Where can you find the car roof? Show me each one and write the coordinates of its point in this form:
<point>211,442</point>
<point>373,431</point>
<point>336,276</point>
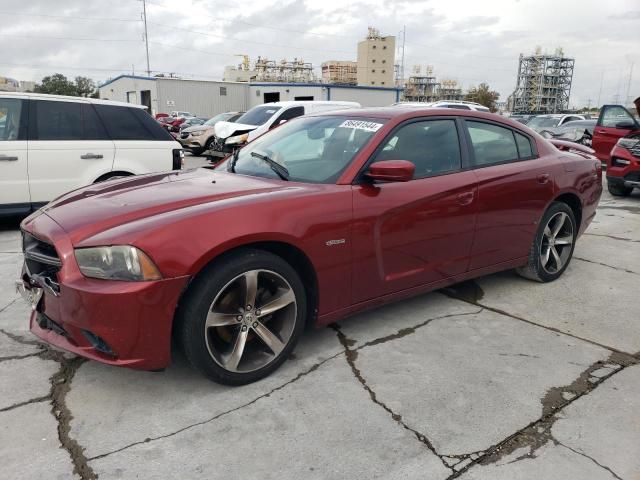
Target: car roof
<point>288,103</point>
<point>46,96</point>
<point>406,112</point>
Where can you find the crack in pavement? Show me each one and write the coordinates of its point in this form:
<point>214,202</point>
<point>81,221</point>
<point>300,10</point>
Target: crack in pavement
<point>19,357</point>
<point>27,402</point>
<point>311,369</point>
<point>592,459</point>
<point>620,269</point>
<point>613,237</point>
<point>60,386</point>
<point>538,433</point>
<point>351,355</point>
<point>453,292</point>
<point>403,332</point>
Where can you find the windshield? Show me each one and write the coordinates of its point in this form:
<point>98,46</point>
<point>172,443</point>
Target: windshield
<point>218,118</point>
<point>258,115</point>
<point>542,122</point>
<point>312,150</point>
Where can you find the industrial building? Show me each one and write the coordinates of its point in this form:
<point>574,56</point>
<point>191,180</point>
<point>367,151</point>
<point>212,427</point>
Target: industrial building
<point>543,84</point>
<point>343,72</point>
<point>376,59</point>
<point>426,88</point>
<point>207,98</point>
<point>11,85</point>
<point>265,70</point>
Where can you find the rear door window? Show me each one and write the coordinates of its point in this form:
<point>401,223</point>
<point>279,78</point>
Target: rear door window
<point>52,120</point>
<point>491,144</point>
<point>92,127</point>
<point>124,123</point>
<point>524,146</point>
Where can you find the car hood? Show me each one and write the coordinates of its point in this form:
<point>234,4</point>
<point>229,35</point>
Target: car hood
<point>196,128</point>
<point>90,210</point>
<point>227,129</point>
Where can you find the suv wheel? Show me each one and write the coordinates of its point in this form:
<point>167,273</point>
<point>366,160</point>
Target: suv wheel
<point>242,317</point>
<point>553,244</point>
<point>618,190</point>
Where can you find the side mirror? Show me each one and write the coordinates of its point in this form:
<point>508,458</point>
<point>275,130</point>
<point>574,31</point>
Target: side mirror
<point>391,171</point>
<point>626,125</point>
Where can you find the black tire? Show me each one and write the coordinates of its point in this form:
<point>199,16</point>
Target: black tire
<point>618,190</point>
<point>210,285</point>
<point>537,268</point>
<point>209,144</point>
<point>196,151</point>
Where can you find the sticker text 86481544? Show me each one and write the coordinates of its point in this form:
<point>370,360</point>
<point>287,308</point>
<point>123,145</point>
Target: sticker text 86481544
<point>361,125</point>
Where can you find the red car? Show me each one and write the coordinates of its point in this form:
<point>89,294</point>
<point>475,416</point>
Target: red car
<point>616,140</point>
<point>325,216</point>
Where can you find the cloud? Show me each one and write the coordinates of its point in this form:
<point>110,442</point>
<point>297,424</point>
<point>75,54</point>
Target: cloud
<point>467,40</point>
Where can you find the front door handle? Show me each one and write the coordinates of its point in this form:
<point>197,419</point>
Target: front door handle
<point>465,198</point>
<point>543,178</point>
<point>6,158</point>
<point>90,156</point>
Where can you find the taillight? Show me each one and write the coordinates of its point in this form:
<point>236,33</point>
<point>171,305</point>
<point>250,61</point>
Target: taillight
<point>178,159</point>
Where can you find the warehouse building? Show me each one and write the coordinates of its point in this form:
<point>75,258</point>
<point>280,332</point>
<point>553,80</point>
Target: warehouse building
<point>207,98</point>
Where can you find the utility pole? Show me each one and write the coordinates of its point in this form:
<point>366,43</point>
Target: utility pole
<point>600,91</point>
<point>146,34</point>
<point>404,39</point>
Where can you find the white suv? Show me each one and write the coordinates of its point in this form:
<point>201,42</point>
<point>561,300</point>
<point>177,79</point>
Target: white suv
<point>262,118</point>
<point>51,144</point>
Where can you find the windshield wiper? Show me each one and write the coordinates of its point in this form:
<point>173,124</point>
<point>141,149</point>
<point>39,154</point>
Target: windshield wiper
<point>231,167</point>
<point>281,170</point>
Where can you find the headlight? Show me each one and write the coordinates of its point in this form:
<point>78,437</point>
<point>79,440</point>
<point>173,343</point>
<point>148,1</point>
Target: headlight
<point>196,134</point>
<point>122,262</point>
<point>238,139</point>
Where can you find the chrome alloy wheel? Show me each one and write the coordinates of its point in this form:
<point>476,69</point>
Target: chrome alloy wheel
<point>557,242</point>
<point>250,321</point>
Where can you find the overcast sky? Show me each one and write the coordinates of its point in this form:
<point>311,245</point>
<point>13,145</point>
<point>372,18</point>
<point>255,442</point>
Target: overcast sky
<point>468,40</point>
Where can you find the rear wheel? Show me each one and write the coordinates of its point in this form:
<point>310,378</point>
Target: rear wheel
<point>242,317</point>
<point>553,244</point>
<point>618,190</point>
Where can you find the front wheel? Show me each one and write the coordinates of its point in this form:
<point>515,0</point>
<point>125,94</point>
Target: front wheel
<point>553,244</point>
<point>242,317</point>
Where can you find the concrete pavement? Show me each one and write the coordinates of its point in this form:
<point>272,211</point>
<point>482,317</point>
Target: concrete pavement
<point>501,378</point>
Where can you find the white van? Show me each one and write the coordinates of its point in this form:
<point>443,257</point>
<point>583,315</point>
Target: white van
<point>51,144</point>
<point>263,118</point>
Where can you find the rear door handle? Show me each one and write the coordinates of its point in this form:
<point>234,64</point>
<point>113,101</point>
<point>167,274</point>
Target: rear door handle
<point>465,198</point>
<point>543,178</point>
<point>90,156</point>
<point>6,158</point>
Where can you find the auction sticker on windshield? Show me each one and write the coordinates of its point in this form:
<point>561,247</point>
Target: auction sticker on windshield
<point>361,125</point>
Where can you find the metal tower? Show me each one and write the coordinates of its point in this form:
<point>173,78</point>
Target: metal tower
<point>543,84</point>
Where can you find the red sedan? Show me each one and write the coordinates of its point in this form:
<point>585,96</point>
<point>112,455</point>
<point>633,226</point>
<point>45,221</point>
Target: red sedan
<point>320,218</point>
